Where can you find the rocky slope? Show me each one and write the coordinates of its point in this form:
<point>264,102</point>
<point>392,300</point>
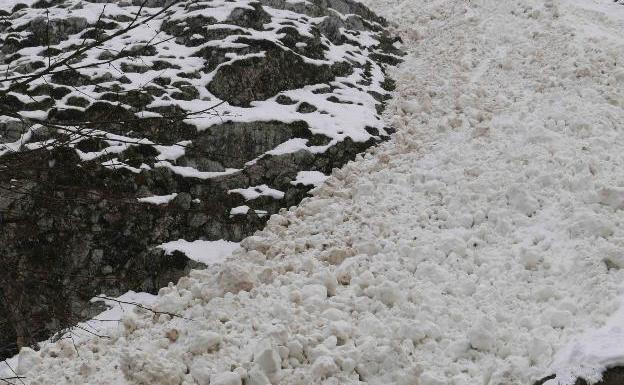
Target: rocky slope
<point>196,124</point>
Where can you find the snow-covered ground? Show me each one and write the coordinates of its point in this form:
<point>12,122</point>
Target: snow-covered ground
<point>482,245</point>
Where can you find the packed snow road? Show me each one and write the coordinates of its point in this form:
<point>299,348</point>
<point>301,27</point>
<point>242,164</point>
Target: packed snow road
<point>482,245</point>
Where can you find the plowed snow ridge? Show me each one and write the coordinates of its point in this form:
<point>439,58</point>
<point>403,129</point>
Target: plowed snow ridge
<point>483,239</point>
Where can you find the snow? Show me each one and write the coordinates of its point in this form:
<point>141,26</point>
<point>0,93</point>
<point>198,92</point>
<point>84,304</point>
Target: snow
<point>191,172</point>
<point>313,178</point>
<point>255,192</point>
<point>239,210</point>
<point>115,164</point>
<point>479,246</point>
<point>117,308</point>
<point>158,199</point>
<point>206,252</point>
<point>172,152</point>
<point>101,325</point>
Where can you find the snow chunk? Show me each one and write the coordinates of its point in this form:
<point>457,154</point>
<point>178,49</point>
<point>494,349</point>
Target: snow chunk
<point>257,377</point>
<point>559,318</point>
<point>203,342</point>
<point>27,360</point>
<point>146,368</point>
<point>481,336</point>
<point>267,359</point>
<point>324,367</point>
<point>588,224</point>
<point>428,378</point>
<point>226,378</point>
<point>521,200</point>
<point>309,178</point>
<point>158,199</point>
<point>613,197</point>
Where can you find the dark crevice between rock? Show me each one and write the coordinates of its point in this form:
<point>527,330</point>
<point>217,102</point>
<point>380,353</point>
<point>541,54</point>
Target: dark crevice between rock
<point>611,376</point>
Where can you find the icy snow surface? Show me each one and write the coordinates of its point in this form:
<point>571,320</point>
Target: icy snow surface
<point>482,245</point>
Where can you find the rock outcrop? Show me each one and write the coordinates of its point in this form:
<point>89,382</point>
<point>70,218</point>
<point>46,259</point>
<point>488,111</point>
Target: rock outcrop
<point>206,98</point>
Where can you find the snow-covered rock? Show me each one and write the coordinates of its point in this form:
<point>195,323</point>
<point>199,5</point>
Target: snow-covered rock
<point>197,124</point>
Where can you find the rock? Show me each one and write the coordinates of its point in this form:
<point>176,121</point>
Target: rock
<point>172,335</point>
<point>12,130</point>
<point>521,199</point>
<point>255,78</point>
<point>559,318</point>
<point>56,30</point>
<point>183,201</point>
